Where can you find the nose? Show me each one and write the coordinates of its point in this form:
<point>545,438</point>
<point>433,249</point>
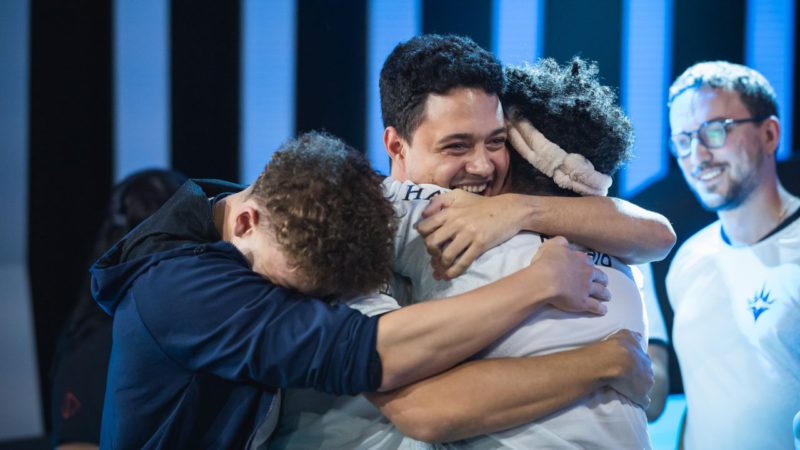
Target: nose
<point>480,164</point>
<point>699,152</point>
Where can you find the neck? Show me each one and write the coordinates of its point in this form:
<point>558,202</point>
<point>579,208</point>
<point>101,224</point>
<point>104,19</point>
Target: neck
<point>222,216</point>
<point>761,213</point>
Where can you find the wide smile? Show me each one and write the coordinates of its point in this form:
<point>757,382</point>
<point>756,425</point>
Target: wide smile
<point>472,188</point>
<point>709,174</point>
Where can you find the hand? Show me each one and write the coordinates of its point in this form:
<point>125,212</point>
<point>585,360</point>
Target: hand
<point>576,284</point>
<point>632,372</point>
<point>458,227</point>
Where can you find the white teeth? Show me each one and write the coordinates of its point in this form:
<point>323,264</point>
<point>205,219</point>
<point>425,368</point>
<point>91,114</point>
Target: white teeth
<point>709,174</point>
<point>474,189</point>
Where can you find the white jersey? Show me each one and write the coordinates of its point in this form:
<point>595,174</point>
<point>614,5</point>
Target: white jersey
<point>605,419</point>
<point>656,327</point>
<point>737,336</point>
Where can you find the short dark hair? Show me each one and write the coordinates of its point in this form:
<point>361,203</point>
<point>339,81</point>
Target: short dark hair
<point>327,210</point>
<point>570,107</point>
<point>432,63</point>
<point>754,89</point>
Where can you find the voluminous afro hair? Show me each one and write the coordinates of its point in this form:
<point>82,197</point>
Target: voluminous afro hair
<point>327,210</point>
<point>753,88</point>
<point>428,64</point>
<point>572,109</point>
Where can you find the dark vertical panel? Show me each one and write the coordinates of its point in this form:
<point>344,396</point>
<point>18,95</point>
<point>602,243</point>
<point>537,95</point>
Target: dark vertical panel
<point>471,18</point>
<point>591,30</point>
<point>796,92</point>
<point>70,156</point>
<point>707,30</point>
<point>205,36</point>
<point>331,68</point>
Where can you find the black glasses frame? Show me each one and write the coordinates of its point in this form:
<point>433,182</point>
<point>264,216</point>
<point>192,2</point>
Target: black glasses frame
<point>683,153</point>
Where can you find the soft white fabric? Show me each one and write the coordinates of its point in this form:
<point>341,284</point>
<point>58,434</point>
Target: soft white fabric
<point>603,420</point>
<point>737,336</point>
<point>568,170</point>
<point>656,326</point>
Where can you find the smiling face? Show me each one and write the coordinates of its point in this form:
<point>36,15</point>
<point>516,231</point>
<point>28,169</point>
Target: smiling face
<point>460,144</point>
<point>721,178</point>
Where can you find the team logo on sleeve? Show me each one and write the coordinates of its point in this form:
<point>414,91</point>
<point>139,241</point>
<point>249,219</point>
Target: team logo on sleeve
<point>760,302</point>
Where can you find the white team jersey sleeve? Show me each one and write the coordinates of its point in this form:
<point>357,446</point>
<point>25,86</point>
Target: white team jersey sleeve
<point>643,274</point>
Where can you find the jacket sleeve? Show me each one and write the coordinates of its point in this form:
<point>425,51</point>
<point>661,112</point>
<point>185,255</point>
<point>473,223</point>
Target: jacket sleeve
<point>212,314</point>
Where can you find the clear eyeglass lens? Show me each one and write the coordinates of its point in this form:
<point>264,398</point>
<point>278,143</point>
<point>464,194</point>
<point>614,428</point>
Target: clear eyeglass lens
<point>713,135</point>
<point>682,143</point>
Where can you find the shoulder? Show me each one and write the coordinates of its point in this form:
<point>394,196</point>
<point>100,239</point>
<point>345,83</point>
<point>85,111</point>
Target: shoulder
<point>211,280</point>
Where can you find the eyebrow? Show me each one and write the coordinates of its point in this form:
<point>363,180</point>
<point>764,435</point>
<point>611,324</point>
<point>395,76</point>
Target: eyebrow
<point>469,136</point>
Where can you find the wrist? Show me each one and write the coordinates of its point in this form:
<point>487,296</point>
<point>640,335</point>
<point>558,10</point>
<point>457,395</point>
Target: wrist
<point>610,366</point>
<point>528,209</point>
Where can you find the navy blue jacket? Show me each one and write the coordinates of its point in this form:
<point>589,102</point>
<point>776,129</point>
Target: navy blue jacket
<point>200,342</point>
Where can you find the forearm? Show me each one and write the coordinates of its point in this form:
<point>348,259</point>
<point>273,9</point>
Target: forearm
<point>486,396</point>
<point>420,340</point>
<point>605,224</point>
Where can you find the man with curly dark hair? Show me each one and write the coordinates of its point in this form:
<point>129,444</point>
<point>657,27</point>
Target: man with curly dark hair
<point>444,126</point>
<point>204,333</point>
<point>600,132</point>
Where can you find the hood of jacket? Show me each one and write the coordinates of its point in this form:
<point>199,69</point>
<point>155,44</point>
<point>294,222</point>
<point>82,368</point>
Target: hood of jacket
<point>183,224</point>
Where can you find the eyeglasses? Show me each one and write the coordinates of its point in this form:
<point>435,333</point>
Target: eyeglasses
<point>711,134</point>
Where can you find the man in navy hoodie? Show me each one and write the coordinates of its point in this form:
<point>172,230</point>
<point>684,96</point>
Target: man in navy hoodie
<point>204,334</point>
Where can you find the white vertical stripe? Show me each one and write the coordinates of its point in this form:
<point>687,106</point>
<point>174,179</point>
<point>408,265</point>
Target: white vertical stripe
<point>769,48</point>
<point>20,411</point>
<point>646,57</point>
<point>141,86</point>
<point>518,30</point>
<point>390,22</point>
<point>268,82</point>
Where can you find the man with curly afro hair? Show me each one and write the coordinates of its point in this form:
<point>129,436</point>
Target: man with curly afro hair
<point>206,331</point>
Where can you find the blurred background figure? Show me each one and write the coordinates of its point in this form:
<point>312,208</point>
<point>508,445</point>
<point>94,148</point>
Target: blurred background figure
<point>80,363</point>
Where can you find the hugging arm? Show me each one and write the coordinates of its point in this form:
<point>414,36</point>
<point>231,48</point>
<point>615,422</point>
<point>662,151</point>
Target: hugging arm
<point>460,226</point>
<point>485,396</point>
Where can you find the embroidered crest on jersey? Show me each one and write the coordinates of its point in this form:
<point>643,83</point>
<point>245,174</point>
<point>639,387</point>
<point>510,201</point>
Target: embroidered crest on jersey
<point>760,302</point>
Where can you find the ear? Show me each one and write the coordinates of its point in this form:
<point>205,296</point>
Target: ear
<point>396,149</point>
<point>772,134</point>
<point>246,221</point>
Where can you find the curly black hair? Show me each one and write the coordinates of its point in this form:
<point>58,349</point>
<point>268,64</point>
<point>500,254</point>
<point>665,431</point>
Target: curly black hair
<point>432,63</point>
<point>572,109</point>
<point>328,213</point>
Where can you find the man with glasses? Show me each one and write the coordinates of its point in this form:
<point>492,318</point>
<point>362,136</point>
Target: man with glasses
<point>735,285</point>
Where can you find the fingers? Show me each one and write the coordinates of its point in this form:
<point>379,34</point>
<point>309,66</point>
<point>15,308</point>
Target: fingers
<point>599,292</point>
<point>437,240</point>
<point>558,240</point>
<point>454,249</point>
<point>464,261</point>
<point>431,223</point>
<point>438,203</point>
<point>599,277</point>
<point>595,307</point>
